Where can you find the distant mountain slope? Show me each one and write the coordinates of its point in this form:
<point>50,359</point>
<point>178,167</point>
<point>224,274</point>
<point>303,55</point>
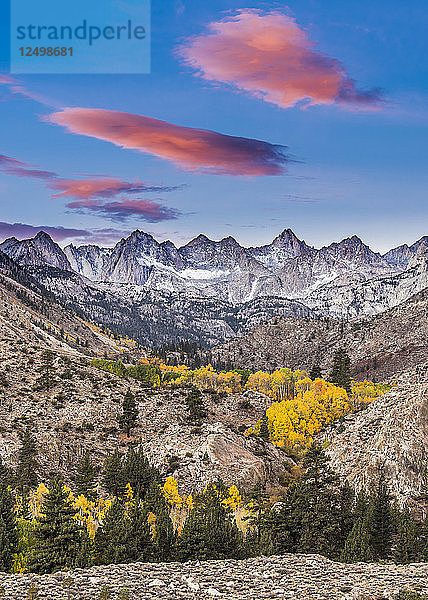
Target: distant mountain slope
<point>153,317</point>
<point>29,313</point>
<point>391,433</point>
<point>379,346</point>
<point>210,291</point>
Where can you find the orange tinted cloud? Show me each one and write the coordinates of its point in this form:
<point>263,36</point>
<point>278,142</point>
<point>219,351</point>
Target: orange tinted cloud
<point>272,58</point>
<point>98,194</point>
<point>100,187</point>
<point>191,149</point>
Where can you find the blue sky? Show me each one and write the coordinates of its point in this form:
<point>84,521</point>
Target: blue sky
<point>350,168</point>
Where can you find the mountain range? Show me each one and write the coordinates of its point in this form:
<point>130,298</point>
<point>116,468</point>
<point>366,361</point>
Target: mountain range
<point>212,290</point>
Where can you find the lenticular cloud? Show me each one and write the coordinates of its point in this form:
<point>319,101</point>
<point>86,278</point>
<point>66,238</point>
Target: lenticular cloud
<point>272,58</point>
<point>197,150</point>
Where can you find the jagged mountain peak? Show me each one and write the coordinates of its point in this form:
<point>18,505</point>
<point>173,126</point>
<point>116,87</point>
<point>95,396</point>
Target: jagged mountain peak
<point>38,251</point>
<point>138,236</point>
<point>9,241</point>
<point>286,235</point>
<point>198,240</point>
<point>43,236</point>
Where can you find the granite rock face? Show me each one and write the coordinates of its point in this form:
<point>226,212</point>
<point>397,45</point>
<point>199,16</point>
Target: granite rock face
<point>392,434</point>
<point>297,577</point>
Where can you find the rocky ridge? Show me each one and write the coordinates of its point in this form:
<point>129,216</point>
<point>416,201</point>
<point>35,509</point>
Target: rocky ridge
<point>294,576</point>
<point>379,347</point>
<point>345,279</point>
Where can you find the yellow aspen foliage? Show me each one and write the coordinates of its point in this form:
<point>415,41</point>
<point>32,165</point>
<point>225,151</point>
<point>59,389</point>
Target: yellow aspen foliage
<point>171,495</point>
<point>234,499</point>
<point>129,495</point>
<point>294,420</point>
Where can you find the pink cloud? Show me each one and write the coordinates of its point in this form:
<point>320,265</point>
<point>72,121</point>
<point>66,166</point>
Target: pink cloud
<point>11,166</point>
<point>270,56</point>
<point>151,211</point>
<point>99,187</point>
<point>91,194</point>
<point>197,150</point>
<point>16,88</point>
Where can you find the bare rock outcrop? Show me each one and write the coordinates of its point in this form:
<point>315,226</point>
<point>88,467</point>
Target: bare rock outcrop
<point>391,433</point>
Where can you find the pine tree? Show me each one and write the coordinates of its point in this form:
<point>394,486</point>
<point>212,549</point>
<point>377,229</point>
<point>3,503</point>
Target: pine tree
<point>113,476</point>
<point>129,416</point>
<point>346,513</point>
<point>425,541</point>
<point>124,535</point>
<point>27,470</point>
<point>195,406</point>
<point>5,474</point>
<point>278,530</point>
<point>109,542</point>
<point>358,544</point>
<point>209,531</point>
<point>164,537</point>
<point>264,428</point>
<point>380,520</point>
<point>58,538</point>
<point>8,529</point>
<point>407,548</point>
<point>341,371</point>
<point>316,372</point>
<point>138,472</point>
<point>85,479</point>
<point>317,505</point>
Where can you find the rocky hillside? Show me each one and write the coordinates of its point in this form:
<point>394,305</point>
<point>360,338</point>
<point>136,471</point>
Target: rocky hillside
<point>379,346</point>
<point>391,433</point>
<point>297,576</point>
<point>80,409</point>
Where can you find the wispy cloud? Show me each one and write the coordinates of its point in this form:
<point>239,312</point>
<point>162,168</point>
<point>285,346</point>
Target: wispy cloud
<point>94,194</point>
<point>299,199</point>
<point>22,231</point>
<point>16,88</point>
<point>99,187</point>
<point>270,56</point>
<point>196,150</point>
<point>60,234</point>
<point>152,211</point>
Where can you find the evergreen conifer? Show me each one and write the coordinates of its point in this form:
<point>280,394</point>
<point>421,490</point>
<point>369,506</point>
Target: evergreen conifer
<point>316,372</point>
<point>85,479</point>
<point>8,528</point>
<point>264,428</point>
<point>113,475</point>
<point>58,538</point>
<point>129,416</point>
<point>27,470</point>
<point>380,520</point>
<point>341,371</point>
<point>209,531</point>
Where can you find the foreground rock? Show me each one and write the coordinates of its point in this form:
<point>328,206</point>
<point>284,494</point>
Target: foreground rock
<point>301,577</point>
